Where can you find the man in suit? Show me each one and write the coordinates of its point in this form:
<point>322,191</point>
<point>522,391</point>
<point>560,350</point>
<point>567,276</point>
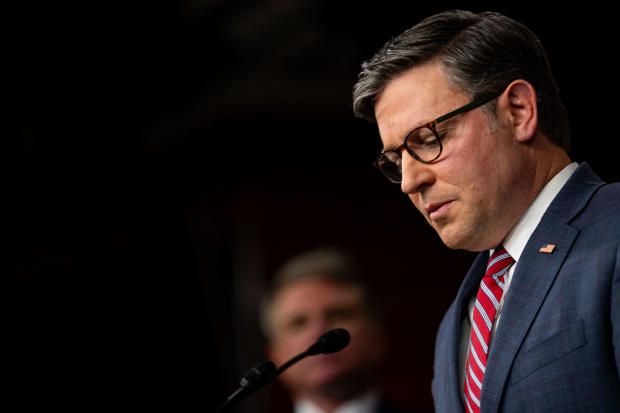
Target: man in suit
<point>475,133</point>
<point>312,293</point>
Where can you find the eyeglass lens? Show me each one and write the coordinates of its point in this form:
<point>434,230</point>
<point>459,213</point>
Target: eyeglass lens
<point>390,165</point>
<point>422,143</point>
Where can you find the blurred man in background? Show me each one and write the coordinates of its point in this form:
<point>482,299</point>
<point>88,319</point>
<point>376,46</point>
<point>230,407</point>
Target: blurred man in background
<point>312,293</point>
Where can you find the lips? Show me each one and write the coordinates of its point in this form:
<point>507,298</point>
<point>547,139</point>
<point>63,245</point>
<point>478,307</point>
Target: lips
<point>435,210</point>
<point>435,206</point>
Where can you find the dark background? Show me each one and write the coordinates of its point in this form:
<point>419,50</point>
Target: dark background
<point>161,159</point>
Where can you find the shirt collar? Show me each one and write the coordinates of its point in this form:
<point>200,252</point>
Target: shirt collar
<point>519,235</point>
<point>364,404</point>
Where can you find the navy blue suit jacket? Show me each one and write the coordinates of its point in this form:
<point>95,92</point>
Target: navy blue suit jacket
<point>557,348</point>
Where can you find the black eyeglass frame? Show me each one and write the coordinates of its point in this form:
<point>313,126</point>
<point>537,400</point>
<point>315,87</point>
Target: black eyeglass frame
<point>432,125</point>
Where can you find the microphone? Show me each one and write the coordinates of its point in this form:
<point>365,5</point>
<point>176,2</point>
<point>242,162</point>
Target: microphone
<point>330,342</point>
<point>265,371</point>
<point>254,379</point>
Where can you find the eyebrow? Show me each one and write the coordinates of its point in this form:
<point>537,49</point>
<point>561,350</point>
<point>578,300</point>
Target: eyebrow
<point>384,149</point>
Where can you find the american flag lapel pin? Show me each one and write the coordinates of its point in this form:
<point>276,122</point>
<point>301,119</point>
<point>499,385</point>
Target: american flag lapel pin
<point>547,248</point>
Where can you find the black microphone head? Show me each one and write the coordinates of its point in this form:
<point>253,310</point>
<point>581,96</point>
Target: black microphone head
<point>330,342</point>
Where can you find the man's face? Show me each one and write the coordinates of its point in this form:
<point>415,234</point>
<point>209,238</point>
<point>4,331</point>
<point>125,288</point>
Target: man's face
<point>470,195</point>
<point>303,311</point>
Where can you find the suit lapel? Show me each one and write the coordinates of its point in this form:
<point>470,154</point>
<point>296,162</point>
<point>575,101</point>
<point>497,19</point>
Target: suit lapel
<point>533,277</point>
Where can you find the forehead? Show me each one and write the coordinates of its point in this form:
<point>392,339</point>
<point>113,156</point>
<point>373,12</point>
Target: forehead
<point>312,294</point>
<point>417,96</point>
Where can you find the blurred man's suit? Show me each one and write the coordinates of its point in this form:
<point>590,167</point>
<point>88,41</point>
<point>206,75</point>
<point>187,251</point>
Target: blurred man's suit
<point>559,334</point>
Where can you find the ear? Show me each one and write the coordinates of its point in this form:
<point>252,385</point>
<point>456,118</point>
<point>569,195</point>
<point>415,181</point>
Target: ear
<point>523,109</point>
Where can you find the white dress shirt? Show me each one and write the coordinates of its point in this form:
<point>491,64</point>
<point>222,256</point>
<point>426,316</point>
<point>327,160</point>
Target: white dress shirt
<point>365,404</point>
<point>514,243</point>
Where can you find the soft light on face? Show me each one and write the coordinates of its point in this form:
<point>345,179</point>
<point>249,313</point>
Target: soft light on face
<point>306,309</point>
<point>469,194</point>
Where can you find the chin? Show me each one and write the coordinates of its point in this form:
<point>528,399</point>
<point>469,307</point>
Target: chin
<point>458,241</point>
<point>449,239</point>
<point>326,376</point>
<point>329,374</point>
<point>337,387</point>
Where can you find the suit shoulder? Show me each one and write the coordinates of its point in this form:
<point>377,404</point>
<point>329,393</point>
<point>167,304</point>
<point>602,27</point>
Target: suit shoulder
<point>602,207</point>
<point>611,191</point>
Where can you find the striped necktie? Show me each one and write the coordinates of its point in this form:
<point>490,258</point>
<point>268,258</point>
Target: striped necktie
<point>487,301</point>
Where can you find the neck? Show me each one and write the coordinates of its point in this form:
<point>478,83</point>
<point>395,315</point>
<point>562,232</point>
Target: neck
<point>331,397</point>
<point>549,166</point>
<point>541,161</point>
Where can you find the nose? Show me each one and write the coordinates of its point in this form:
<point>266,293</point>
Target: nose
<point>317,329</point>
<point>415,175</point>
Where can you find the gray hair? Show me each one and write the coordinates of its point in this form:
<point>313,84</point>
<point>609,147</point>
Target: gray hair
<point>481,53</point>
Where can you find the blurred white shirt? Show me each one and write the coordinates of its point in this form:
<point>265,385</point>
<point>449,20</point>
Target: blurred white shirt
<point>366,404</point>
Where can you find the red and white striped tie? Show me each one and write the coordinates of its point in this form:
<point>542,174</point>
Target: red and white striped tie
<point>487,301</point>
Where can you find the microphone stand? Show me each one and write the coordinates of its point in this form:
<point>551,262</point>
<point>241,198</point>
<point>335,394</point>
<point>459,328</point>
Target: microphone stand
<point>255,378</point>
<point>265,371</point>
<point>254,383</point>
<point>290,363</point>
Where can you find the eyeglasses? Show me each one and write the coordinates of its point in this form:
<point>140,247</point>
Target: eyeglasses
<point>423,143</point>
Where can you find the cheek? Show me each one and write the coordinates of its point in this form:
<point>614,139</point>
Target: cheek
<point>363,331</point>
<point>415,199</point>
<point>287,348</point>
<point>473,170</point>
<point>476,182</point>
<point>279,353</point>
<point>366,348</point>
